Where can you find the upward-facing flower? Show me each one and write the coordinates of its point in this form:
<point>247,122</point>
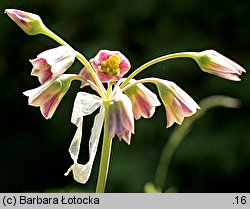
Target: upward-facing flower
<point>52,63</point>
<point>49,95</point>
<point>215,63</point>
<point>28,22</point>
<point>110,65</point>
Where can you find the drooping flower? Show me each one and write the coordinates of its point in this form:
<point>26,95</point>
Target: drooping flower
<point>110,65</point>
<point>178,104</point>
<point>215,63</point>
<point>52,63</point>
<point>30,23</point>
<point>120,118</point>
<point>143,100</point>
<point>49,95</point>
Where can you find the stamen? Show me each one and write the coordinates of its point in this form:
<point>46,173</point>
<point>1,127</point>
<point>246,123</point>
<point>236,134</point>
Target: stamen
<point>111,66</point>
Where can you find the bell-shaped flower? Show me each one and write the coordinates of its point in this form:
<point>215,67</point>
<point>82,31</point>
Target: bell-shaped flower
<point>110,65</point>
<point>178,104</point>
<point>143,100</point>
<point>120,117</point>
<point>215,63</point>
<point>28,22</point>
<point>52,63</point>
<point>49,95</point>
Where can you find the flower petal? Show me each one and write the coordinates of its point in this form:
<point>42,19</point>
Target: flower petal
<point>215,63</point>
<point>52,63</point>
<point>110,65</point>
<point>30,23</point>
<point>143,100</point>
<point>49,95</point>
<point>120,117</point>
<point>178,103</point>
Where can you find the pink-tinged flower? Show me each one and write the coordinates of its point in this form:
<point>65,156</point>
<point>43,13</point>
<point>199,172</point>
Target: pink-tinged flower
<point>178,104</point>
<point>52,63</point>
<point>85,74</point>
<point>110,65</point>
<point>120,118</point>
<point>143,100</point>
<point>213,62</point>
<point>49,95</point>
<point>28,22</point>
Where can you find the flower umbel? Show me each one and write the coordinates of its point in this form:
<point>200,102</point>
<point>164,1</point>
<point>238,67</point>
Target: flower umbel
<point>122,100</point>
<point>30,23</point>
<point>215,63</point>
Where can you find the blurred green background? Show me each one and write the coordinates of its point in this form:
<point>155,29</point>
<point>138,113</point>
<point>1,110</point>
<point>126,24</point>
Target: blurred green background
<point>214,157</point>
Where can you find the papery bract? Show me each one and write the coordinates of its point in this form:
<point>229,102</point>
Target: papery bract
<point>120,117</point>
<point>30,23</point>
<point>215,63</point>
<point>178,104</point>
<point>49,95</point>
<point>52,63</point>
<point>110,65</point>
<point>85,104</point>
<point>143,100</point>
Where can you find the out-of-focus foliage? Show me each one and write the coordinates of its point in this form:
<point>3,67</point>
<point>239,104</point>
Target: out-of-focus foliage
<point>215,157</point>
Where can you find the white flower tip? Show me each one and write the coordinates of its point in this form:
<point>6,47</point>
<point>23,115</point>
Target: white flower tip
<point>7,11</point>
<point>29,94</point>
<point>26,93</point>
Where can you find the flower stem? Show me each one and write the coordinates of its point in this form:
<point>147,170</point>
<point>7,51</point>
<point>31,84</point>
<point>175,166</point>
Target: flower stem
<point>180,132</point>
<point>55,37</point>
<point>98,83</point>
<point>81,58</point>
<point>157,60</point>
<point>105,156</point>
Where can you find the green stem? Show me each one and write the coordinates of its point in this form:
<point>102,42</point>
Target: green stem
<point>80,78</point>
<point>98,83</point>
<point>81,58</point>
<point>52,35</point>
<point>180,132</point>
<point>157,60</point>
<point>105,156</point>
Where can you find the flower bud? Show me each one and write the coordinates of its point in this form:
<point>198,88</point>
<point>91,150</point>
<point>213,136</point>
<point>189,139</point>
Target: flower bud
<point>178,104</point>
<point>49,95</point>
<point>52,63</point>
<point>110,65</point>
<point>120,117</point>
<point>143,100</point>
<point>214,63</point>
<point>28,22</point>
